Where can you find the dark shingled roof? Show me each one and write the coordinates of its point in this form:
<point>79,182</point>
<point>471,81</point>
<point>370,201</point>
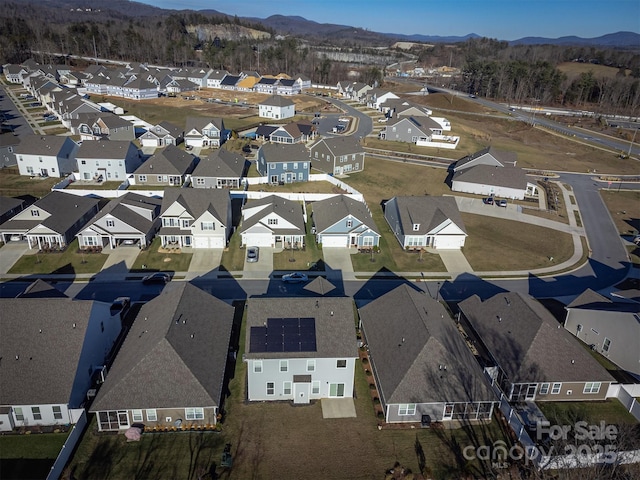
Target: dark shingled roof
<point>331,210</point>
<point>116,149</point>
<point>290,210</point>
<point>41,289</point>
<point>49,145</point>
<point>527,341</point>
<point>487,156</point>
<point>428,212</point>
<point>278,101</point>
<point>121,208</point>
<point>171,160</point>
<point>197,201</point>
<point>334,320</point>
<point>275,152</point>
<point>417,352</point>
<point>222,163</point>
<point>40,333</point>
<point>319,285</point>
<point>507,176</point>
<point>339,146</point>
<point>174,355</point>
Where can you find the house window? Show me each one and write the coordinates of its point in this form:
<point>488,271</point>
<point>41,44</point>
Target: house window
<point>90,241</point>
<point>311,365</point>
<point>416,227</point>
<point>272,221</point>
<point>35,411</point>
<point>160,178</point>
<point>40,158</point>
<point>591,387</point>
<point>136,415</point>
<point>152,415</point>
<point>304,166</point>
<point>336,389</point>
<point>544,389</point>
<point>286,388</point>
<point>271,388</point>
<point>284,365</point>
<point>142,178</point>
<point>367,241</point>
<point>194,413</point>
<point>111,223</point>
<point>295,166</point>
<point>185,223</point>
<point>300,176</point>
<point>257,366</point>
<point>30,170</point>
<point>407,409</point>
<point>606,345</point>
<point>18,413</point>
<point>35,212</point>
<point>349,223</point>
<point>207,226</point>
<point>341,364</point>
<point>57,412</point>
<point>555,389</point>
<point>315,387</point>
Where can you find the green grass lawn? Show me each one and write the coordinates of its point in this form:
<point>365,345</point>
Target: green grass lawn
<point>233,256</point>
<point>29,456</point>
<point>299,259</point>
<point>67,262</point>
<point>610,411</point>
<point>162,262</point>
<point>12,184</point>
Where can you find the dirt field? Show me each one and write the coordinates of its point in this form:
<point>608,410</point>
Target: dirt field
<point>573,70</point>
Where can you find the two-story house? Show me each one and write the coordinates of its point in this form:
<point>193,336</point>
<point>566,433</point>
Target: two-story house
<point>8,144</point>
<point>102,125</point>
<point>171,167</point>
<point>163,134</point>
<point>273,221</point>
<point>277,107</point>
<point>284,163</point>
<point>46,155</point>
<point>107,160</point>
<point>300,349</point>
<point>337,155</point>
<point>410,129</point>
<point>204,132</point>
<point>193,217</point>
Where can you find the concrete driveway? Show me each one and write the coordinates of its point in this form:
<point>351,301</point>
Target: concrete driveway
<point>454,261</point>
<point>262,268</point>
<point>338,263</point>
<point>205,260</point>
<point>10,253</point>
<point>121,259</point>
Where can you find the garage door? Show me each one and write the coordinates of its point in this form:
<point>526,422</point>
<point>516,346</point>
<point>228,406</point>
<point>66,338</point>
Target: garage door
<point>257,239</point>
<point>208,242</point>
<point>334,241</point>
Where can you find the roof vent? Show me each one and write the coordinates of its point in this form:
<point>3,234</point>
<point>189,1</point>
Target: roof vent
<point>17,357</point>
<point>74,325</point>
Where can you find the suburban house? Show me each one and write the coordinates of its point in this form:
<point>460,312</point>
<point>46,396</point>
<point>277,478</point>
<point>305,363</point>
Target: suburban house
<point>423,369</point>
<point>51,222</point>
<point>403,108</point>
<point>527,353</point>
<point>107,160</point>
<point>14,73</point>
<point>8,144</point>
<point>215,77</point>
<point>608,327</point>
<point>419,222</point>
<point>163,134</point>
<point>46,155</point>
<point>353,90</point>
<point>410,129</point>
<point>131,219</point>
<point>204,132</point>
<point>491,172</point>
<point>10,207</point>
<point>342,221</point>
<point>222,169</point>
<point>283,163</point>
<point>229,82</point>
<point>170,167</point>
<point>277,107</point>
<point>273,221</point>
<point>377,96</point>
<point>289,133</point>
<point>53,350</point>
<point>102,126</point>
<point>170,370</point>
<point>266,84</point>
<point>300,349</point>
<point>337,155</point>
<point>193,217</point>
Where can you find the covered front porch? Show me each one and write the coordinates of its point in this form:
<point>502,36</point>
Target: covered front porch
<point>46,242</point>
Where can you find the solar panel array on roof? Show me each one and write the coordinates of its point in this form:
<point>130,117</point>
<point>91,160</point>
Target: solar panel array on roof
<point>284,335</point>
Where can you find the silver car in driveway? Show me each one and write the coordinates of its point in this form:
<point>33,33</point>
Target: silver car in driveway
<point>253,253</point>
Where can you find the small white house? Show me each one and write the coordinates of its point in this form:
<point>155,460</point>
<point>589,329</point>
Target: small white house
<point>46,155</point>
<point>277,107</point>
<point>300,349</point>
<point>108,160</point>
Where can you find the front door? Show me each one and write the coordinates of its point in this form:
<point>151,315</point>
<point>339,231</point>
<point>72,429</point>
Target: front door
<point>301,392</point>
<point>123,419</point>
<point>531,392</point>
<point>44,172</point>
<point>448,411</point>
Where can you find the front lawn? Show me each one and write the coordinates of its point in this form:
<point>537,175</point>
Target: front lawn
<point>233,255</point>
<point>70,261</point>
<point>152,260</point>
<point>29,456</point>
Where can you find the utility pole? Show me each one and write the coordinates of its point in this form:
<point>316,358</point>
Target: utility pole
<point>631,145</point>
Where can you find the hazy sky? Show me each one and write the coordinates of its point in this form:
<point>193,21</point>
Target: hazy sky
<point>502,19</point>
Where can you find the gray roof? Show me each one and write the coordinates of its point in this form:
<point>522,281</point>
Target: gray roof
<point>115,149</point>
<point>278,101</point>
<point>527,341</point>
<point>275,152</point>
<point>423,124</point>
<point>331,210</point>
<point>171,160</point>
<point>198,200</point>
<point>65,210</point>
<point>319,285</point>
<point>222,163</point>
<point>334,320</point>
<point>198,123</point>
<point>428,212</point>
<point>173,129</point>
<point>120,209</point>
<point>9,203</point>
<point>8,139</point>
<point>49,145</point>
<point>41,289</point>
<point>417,352</point>
<point>40,333</point>
<point>488,156</point>
<point>339,146</point>
<point>174,355</point>
<point>507,176</point>
<point>290,210</point>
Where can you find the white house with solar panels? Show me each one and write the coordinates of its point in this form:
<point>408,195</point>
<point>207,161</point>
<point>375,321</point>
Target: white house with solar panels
<point>300,349</point>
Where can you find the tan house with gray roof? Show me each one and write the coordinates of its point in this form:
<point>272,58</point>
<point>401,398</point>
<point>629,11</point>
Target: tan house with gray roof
<point>528,354</point>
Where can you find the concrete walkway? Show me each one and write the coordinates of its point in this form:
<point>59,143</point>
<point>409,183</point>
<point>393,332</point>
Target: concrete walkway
<point>338,408</point>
